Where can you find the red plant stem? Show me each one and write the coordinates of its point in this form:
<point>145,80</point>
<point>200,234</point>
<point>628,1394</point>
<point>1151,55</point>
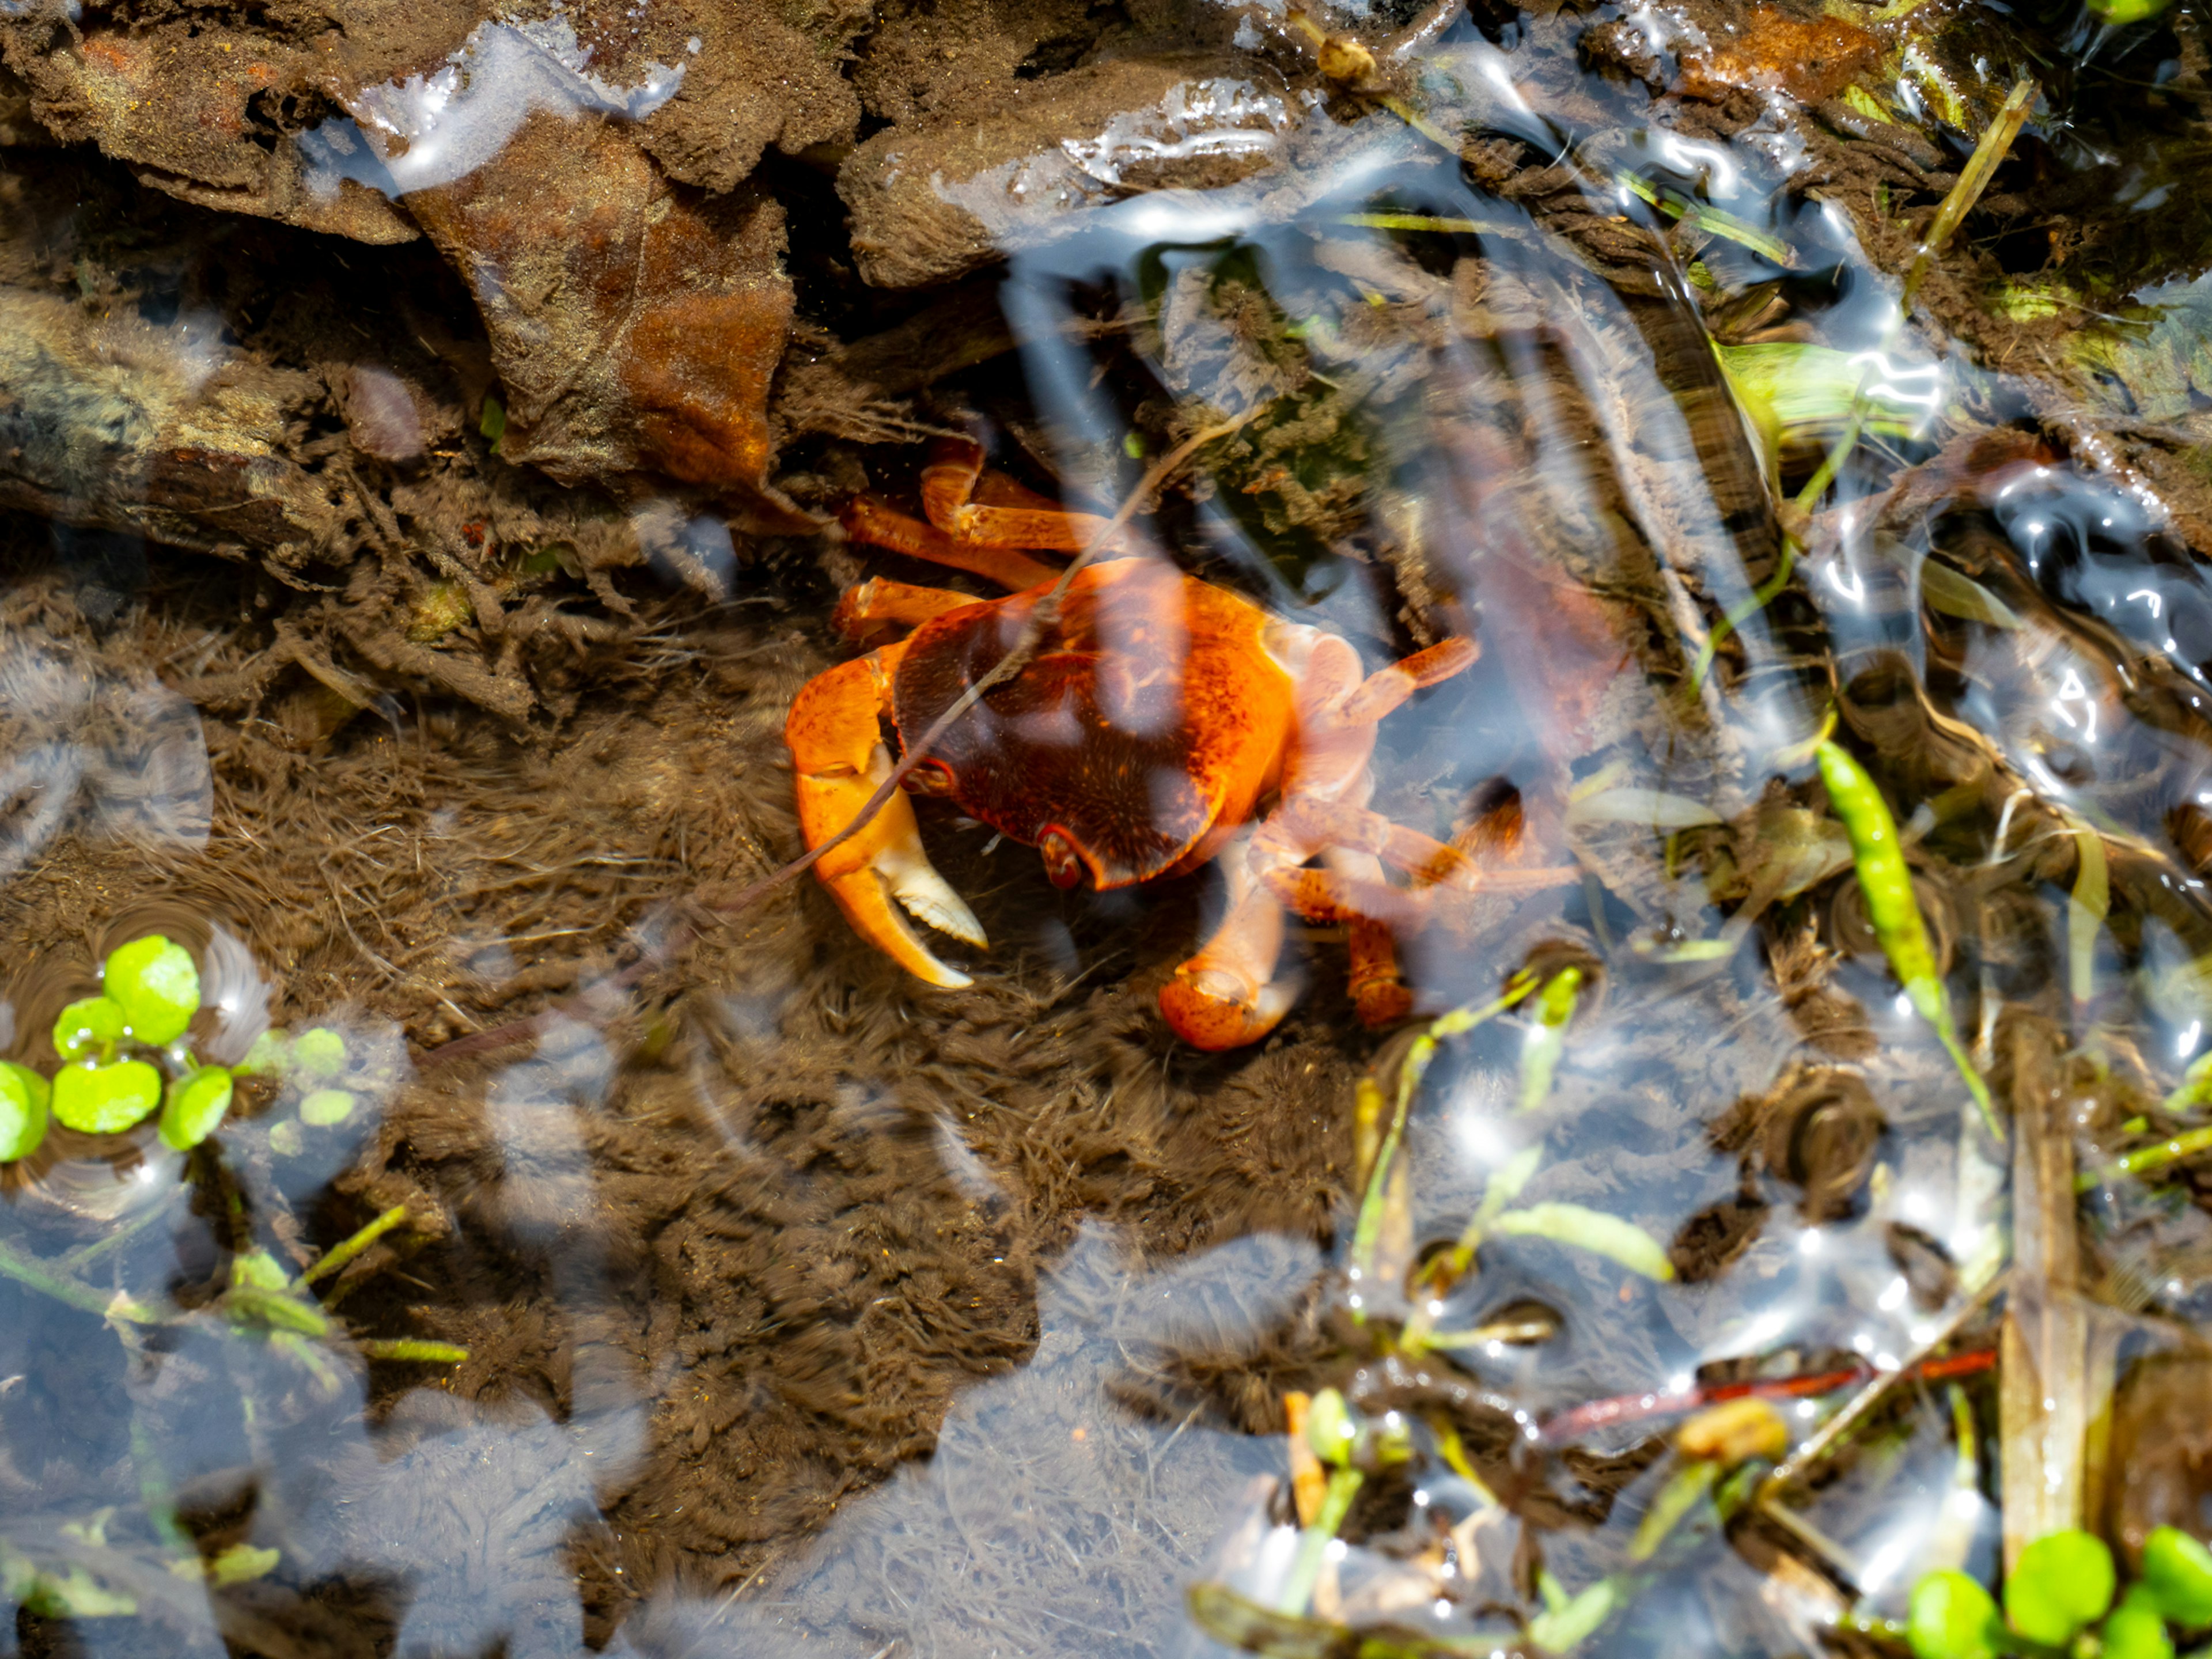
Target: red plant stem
<point>1578,1420</point>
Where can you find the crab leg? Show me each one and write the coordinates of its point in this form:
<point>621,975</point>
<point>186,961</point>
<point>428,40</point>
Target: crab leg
<point>839,759</point>
<point>995,511</point>
<point>1378,989</point>
<point>1337,894</point>
<point>1227,993</point>
<point>880,599</point>
<point>871,522</point>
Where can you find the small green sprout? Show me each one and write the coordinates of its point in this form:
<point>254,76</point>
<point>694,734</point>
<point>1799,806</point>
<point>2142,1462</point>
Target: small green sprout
<point>325,1109</point>
<point>106,1100</point>
<point>196,1106</point>
<point>258,1270</point>
<point>93,1026</point>
<point>1330,1429</point>
<point>1569,1621</point>
<point>2063,1582</point>
<point>317,1053</point>
<point>157,985</point>
<point>24,1099</point>
<point>1546,1038</point>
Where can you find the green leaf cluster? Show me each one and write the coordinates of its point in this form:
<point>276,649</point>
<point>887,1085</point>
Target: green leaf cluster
<point>115,1048</point>
<point>2059,1590</point>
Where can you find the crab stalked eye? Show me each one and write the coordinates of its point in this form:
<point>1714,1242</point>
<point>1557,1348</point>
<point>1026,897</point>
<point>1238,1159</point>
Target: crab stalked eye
<point>932,777</point>
<point>1061,862</point>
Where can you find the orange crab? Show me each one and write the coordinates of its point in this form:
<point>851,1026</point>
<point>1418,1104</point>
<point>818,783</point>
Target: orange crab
<point>1159,716</point>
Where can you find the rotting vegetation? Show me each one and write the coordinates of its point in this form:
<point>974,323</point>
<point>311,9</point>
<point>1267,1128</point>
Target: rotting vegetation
<point>1804,413</point>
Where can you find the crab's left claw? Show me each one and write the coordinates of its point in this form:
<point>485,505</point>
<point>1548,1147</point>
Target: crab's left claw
<point>839,762</point>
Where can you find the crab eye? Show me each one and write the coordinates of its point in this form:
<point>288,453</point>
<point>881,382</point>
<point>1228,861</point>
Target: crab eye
<point>932,777</point>
<point>1061,863</point>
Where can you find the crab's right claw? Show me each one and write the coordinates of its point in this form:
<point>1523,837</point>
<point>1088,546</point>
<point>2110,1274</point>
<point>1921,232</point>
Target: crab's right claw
<point>839,762</point>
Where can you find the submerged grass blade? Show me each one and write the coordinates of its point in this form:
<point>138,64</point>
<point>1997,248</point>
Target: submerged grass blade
<point>1892,909</point>
<point>1313,1545</point>
<point>1368,1230</point>
<point>2186,1145</point>
<point>1973,178</point>
<point>1595,1230</point>
<point>347,1249</point>
<point>1696,216</point>
<point>406,1349</point>
<point>31,1272</point>
<point>1547,1039</point>
<point>2085,910</point>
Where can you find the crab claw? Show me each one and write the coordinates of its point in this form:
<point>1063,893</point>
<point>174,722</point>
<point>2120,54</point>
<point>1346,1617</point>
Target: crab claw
<point>1214,1008</point>
<point>1229,994</point>
<point>840,762</point>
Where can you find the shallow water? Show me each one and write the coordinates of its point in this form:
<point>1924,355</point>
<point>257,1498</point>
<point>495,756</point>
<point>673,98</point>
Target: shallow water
<point>407,629</point>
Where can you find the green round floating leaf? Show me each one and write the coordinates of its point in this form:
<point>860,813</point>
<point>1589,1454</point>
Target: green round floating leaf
<point>326,1108</point>
<point>2177,1571</point>
<point>157,985</point>
<point>2136,1630</point>
<point>24,1096</point>
<point>271,1054</point>
<point>196,1106</point>
<point>284,1138</point>
<point>106,1100</point>
<point>88,1026</point>
<point>1951,1617</point>
<point>2121,12</point>
<point>319,1052</point>
<point>2062,1581</point>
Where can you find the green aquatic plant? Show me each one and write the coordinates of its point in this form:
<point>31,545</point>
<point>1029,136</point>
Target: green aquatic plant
<point>1894,911</point>
<point>156,984</point>
<point>2057,1593</point>
<point>195,1106</point>
<point>106,1100</point>
<point>92,1025</point>
<point>1547,1036</point>
<point>25,1098</point>
<point>151,992</point>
